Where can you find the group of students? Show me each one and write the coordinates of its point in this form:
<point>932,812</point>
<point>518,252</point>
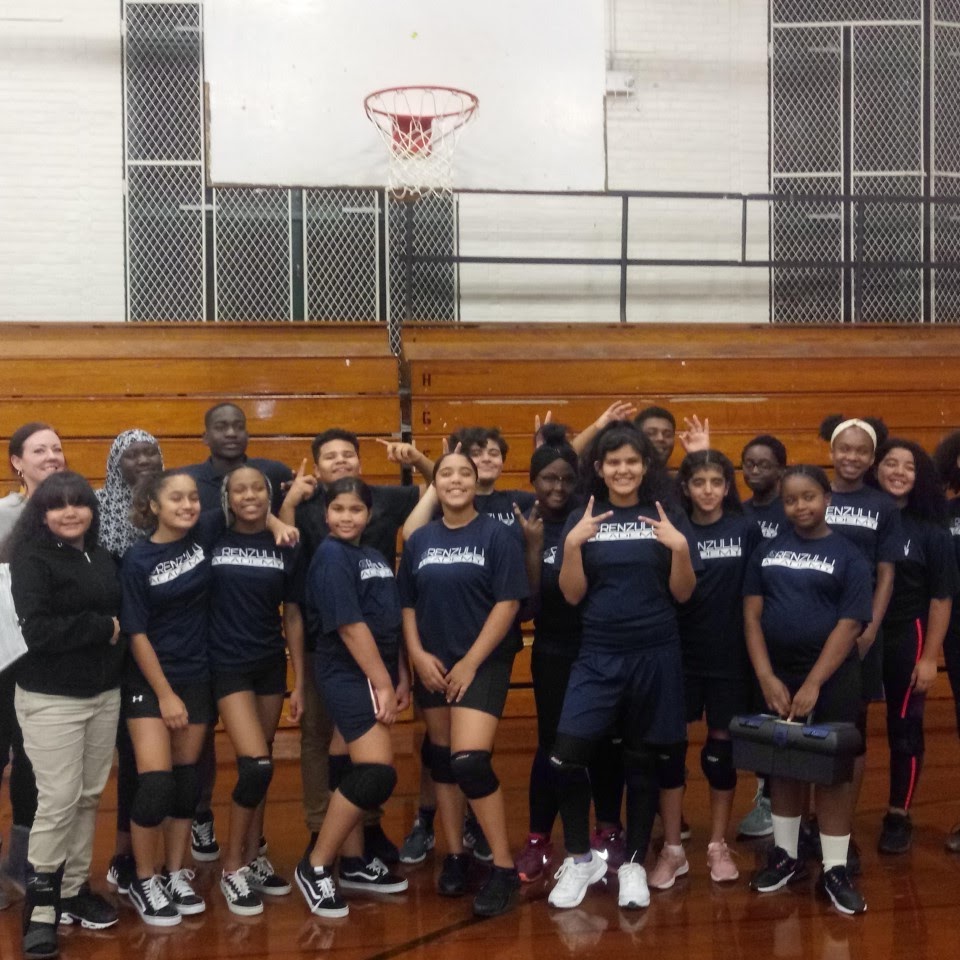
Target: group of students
<point>170,597</point>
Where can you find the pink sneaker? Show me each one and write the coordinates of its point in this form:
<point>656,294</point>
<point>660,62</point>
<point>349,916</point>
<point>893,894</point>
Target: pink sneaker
<point>534,857</point>
<point>672,863</point>
<point>609,845</point>
<point>720,862</point>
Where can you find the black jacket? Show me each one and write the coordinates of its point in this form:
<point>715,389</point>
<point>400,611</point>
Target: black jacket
<point>66,600</point>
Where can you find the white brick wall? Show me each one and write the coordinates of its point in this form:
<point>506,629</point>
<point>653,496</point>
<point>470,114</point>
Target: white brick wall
<point>61,161</point>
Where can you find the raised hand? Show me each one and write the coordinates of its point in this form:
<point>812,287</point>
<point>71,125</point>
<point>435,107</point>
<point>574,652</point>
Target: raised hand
<point>587,526</point>
<point>302,487</point>
<point>696,436</point>
<point>538,426</point>
<point>401,452</point>
<point>618,410</point>
<point>532,526</point>
<point>665,532</point>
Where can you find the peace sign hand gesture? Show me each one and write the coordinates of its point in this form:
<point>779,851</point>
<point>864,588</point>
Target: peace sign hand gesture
<point>665,532</point>
<point>587,526</point>
<point>532,526</point>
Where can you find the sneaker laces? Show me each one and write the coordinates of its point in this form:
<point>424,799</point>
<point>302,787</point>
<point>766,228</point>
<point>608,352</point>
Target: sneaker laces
<point>179,882</point>
<point>567,874</point>
<point>328,889</point>
<point>377,866</point>
<point>155,895</point>
<point>261,868</point>
<point>237,881</point>
<point>203,831</point>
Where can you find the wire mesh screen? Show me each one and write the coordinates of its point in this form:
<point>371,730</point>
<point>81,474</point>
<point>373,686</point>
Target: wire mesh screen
<point>821,11</point>
<point>252,267</point>
<point>164,102</point>
<point>431,221</point>
<point>946,246</point>
<point>948,10</point>
<point>807,90</point>
<point>341,254</point>
<point>807,230</point>
<point>891,231</point>
<point>165,243</point>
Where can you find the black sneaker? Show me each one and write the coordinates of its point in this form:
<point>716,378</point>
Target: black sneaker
<point>264,879</point>
<point>40,941</point>
<point>497,895</point>
<point>152,903</point>
<point>853,859</point>
<point>377,845</point>
<point>319,890</point>
<point>88,909</point>
<point>453,875</point>
<point>835,883</point>
<point>780,870</point>
<point>203,841</point>
<point>372,875</point>
<point>241,900</point>
<point>121,872</point>
<point>179,887</point>
<point>475,840</point>
<point>896,833</point>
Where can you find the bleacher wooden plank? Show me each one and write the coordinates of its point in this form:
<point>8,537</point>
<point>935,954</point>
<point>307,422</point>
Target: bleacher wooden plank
<point>661,376</point>
<point>215,378</point>
<point>165,415</point>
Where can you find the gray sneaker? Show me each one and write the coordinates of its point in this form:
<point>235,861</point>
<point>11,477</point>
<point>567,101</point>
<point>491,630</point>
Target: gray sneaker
<point>417,844</point>
<point>759,821</point>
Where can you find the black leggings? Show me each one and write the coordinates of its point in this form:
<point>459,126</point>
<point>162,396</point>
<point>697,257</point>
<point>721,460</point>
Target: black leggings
<point>951,656</point>
<point>23,784</point>
<point>902,646</point>
<point>551,673</point>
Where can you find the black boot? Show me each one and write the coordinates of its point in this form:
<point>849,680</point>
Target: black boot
<point>40,937</point>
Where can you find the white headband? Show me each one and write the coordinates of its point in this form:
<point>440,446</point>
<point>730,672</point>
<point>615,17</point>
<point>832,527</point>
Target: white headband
<point>855,422</point>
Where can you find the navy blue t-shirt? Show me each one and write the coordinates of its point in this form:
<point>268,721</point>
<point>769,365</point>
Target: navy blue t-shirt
<point>927,570</point>
<point>499,505</point>
<point>870,519</point>
<point>628,603</point>
<point>556,627</point>
<point>210,479</point>
<point>770,518</point>
<point>711,621</point>
<point>166,588</point>
<point>953,508</point>
<point>349,584</point>
<point>250,578</point>
<point>454,577</point>
<point>807,587</point>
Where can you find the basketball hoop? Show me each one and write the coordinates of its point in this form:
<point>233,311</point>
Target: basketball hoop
<point>420,126</point>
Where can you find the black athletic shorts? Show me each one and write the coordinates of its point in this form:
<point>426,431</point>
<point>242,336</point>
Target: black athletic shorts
<point>840,697</point>
<point>487,693</point>
<point>345,692</point>
<point>140,702</point>
<point>720,698</point>
<point>265,678</point>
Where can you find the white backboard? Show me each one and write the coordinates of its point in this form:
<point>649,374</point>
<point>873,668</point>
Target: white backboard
<point>287,80</point>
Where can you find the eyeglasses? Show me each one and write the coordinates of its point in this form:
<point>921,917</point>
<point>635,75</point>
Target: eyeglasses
<point>761,466</point>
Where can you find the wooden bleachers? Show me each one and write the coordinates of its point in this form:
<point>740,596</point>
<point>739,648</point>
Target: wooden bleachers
<point>93,381</point>
<point>746,379</point>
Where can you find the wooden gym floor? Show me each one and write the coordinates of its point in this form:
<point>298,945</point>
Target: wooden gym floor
<point>914,901</point>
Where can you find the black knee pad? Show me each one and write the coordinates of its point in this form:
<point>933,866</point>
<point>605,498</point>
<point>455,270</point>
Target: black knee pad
<point>474,773</point>
<point>253,780</point>
<point>569,752</point>
<point>716,761</point>
<point>338,764</point>
<point>154,799</point>
<point>440,769</point>
<point>367,785</point>
<point>671,764</point>
<point>186,789</point>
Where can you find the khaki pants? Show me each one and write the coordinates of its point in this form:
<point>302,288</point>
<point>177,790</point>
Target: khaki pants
<point>70,742</point>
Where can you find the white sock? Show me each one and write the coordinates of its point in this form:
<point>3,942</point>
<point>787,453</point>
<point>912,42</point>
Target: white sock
<point>675,848</point>
<point>835,851</point>
<point>786,834</point>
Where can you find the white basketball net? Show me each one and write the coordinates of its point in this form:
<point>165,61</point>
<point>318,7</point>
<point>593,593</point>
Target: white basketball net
<point>420,127</point>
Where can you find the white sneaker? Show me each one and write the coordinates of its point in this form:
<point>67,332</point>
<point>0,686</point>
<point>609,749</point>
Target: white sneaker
<point>573,879</point>
<point>634,892</point>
